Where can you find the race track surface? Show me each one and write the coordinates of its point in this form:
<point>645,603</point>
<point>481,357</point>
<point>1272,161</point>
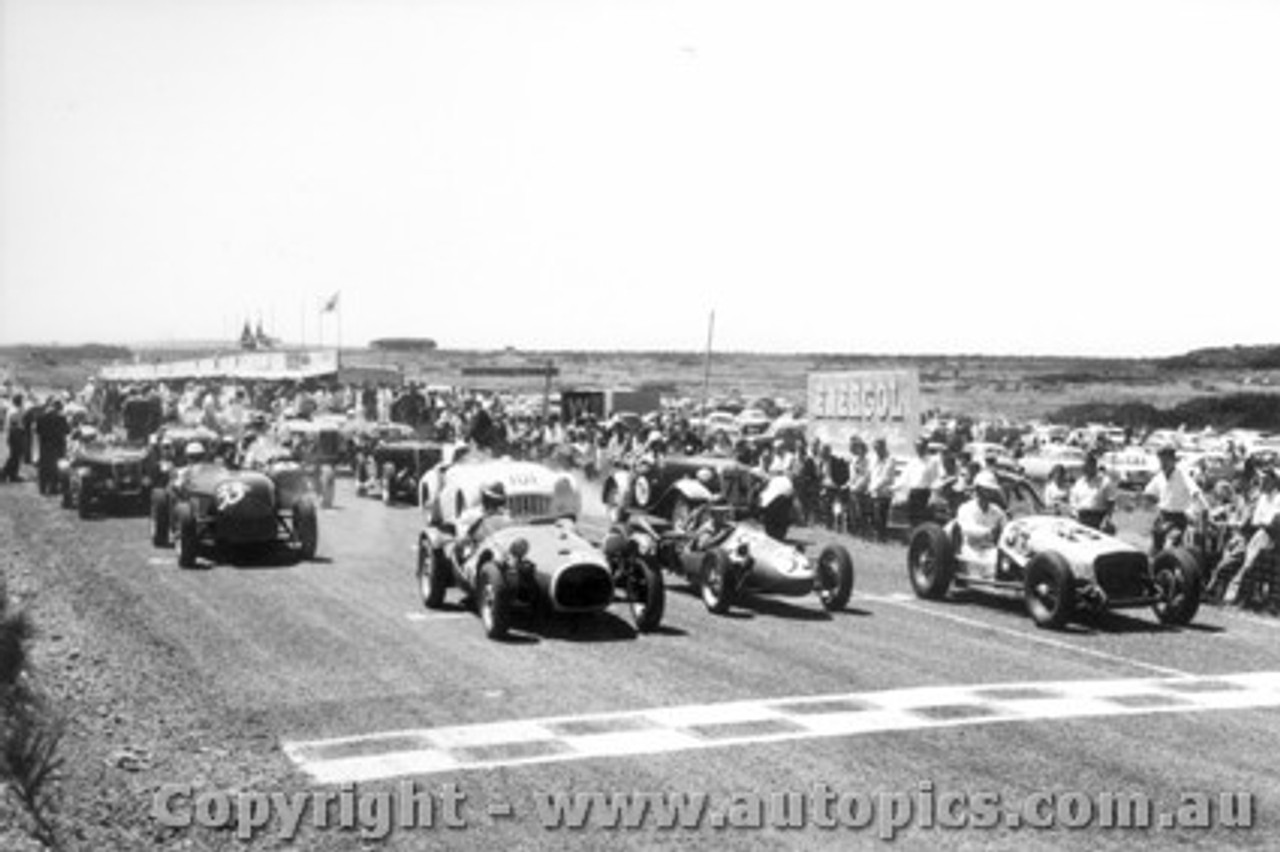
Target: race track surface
<point>277,676</point>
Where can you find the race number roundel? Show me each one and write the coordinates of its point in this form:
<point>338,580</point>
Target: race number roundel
<point>642,491</point>
<point>229,494</point>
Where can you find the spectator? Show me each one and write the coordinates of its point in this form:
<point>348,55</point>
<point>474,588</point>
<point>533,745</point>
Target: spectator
<point>1265,523</point>
<point>52,429</point>
<point>1175,494</point>
<point>15,435</point>
<point>880,487</point>
<point>1093,495</point>
<point>1057,491</point>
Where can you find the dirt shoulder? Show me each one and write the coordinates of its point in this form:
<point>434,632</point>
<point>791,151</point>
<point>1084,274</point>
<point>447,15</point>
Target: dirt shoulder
<point>137,713</point>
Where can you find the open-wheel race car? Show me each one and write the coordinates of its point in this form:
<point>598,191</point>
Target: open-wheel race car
<point>209,510</point>
<point>536,561</point>
<point>1060,567</point>
<point>317,447</point>
<point>724,559</point>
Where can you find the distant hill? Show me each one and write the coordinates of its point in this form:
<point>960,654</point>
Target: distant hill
<point>1226,358</point>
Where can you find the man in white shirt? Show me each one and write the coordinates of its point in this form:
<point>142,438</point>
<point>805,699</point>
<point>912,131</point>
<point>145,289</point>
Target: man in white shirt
<point>1265,522</point>
<point>1175,494</point>
<point>918,478</point>
<point>1093,496</point>
<point>880,485</point>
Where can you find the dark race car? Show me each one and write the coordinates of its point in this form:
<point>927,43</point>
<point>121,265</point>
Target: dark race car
<point>210,510</point>
<point>104,477</point>
<point>400,466</point>
<point>671,488</point>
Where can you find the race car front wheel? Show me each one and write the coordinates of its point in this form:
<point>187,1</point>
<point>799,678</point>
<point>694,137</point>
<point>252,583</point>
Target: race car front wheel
<point>494,600</point>
<point>431,576</point>
<point>834,580</point>
<point>306,528</point>
<point>646,593</point>
<point>1050,590</point>
<point>717,582</point>
<point>1180,582</point>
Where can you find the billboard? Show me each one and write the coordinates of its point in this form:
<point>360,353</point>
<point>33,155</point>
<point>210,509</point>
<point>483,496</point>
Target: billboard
<point>264,366</point>
<point>868,403</point>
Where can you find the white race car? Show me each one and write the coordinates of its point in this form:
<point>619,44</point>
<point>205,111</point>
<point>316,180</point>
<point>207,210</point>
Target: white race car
<point>538,561</point>
<point>1059,566</point>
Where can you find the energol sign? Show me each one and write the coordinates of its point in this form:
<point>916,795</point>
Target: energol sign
<point>868,403</point>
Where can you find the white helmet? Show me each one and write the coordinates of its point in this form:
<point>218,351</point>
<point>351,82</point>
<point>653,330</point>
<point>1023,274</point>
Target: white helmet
<point>194,451</point>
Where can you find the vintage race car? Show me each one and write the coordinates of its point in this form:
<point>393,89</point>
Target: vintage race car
<point>538,562</point>
<point>1060,567</point>
<point>318,446</point>
<point>670,489</point>
<point>725,559</point>
<point>101,476</point>
<point>208,509</point>
<point>401,466</point>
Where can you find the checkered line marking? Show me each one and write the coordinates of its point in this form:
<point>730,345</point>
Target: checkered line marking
<point>671,729</point>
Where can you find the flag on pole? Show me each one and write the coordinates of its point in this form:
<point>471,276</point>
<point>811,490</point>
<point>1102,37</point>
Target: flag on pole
<point>332,304</point>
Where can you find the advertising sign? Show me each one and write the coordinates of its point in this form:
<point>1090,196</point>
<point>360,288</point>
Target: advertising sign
<point>868,403</point>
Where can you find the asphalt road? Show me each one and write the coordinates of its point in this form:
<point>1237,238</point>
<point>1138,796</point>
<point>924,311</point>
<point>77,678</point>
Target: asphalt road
<point>342,648</point>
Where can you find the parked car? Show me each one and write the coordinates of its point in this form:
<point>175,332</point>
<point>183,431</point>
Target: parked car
<point>1131,468</point>
<point>102,476</point>
<point>401,465</point>
<point>1039,464</point>
<point>539,563</point>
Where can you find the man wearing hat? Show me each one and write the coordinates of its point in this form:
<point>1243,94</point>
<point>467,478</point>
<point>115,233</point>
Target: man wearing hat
<point>979,521</point>
<point>1174,493</point>
<point>1265,523</point>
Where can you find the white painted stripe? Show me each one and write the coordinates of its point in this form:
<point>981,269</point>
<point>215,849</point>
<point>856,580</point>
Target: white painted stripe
<point>424,751</point>
<point>1027,635</point>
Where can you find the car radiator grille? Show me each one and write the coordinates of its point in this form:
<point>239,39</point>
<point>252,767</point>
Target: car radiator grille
<point>1122,575</point>
<point>583,587</point>
<point>529,505</point>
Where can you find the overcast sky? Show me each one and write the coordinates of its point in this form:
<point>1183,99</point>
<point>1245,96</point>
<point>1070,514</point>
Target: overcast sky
<point>898,176</point>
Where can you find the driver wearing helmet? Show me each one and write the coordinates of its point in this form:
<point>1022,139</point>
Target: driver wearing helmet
<point>480,522</point>
<point>979,521</point>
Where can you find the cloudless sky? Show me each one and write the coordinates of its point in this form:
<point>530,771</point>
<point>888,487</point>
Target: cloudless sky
<point>897,176</point>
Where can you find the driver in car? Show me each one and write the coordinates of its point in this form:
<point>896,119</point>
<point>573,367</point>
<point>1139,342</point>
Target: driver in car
<point>480,522</point>
<point>979,521</point>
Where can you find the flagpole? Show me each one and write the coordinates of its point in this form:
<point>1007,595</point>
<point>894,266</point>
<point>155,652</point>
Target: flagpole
<point>706,375</point>
<point>320,322</point>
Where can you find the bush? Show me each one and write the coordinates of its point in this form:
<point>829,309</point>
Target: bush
<point>29,734</point>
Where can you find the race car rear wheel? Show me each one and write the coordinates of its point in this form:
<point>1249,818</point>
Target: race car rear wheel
<point>1180,580</point>
<point>1050,590</point>
<point>717,583</point>
<point>432,582</point>
<point>79,499</point>
<point>646,593</point>
<point>930,561</point>
<point>306,528</point>
<point>834,579</point>
<point>328,485</point>
<point>494,601</point>
<point>160,517</point>
<point>188,540</point>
